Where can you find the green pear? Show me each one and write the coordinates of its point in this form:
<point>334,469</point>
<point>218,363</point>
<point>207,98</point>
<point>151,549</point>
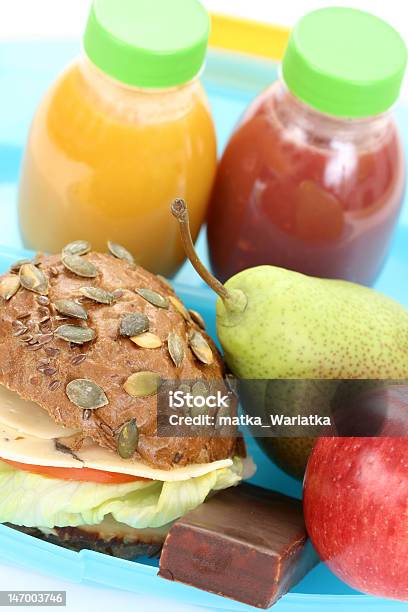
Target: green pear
<point>295,326</point>
<point>278,324</point>
<point>301,327</point>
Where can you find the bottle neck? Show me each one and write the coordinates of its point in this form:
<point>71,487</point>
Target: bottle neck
<point>134,103</point>
<point>318,129</point>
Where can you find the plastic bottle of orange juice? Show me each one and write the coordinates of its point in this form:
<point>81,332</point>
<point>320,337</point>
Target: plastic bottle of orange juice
<point>124,130</point>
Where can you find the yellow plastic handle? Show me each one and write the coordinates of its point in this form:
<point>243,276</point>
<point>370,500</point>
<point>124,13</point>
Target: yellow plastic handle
<point>249,37</point>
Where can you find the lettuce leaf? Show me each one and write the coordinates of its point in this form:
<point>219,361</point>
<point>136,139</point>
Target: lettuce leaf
<point>33,500</point>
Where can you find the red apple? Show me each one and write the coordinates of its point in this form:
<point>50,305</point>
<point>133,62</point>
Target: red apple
<point>356,511</point>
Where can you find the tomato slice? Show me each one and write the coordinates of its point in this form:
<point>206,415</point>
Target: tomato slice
<point>78,474</point>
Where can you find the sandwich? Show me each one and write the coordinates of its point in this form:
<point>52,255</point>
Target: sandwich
<point>85,341</point>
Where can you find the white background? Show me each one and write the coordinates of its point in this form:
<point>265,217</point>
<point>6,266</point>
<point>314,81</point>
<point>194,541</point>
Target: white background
<point>55,19</point>
<point>65,18</point>
<point>38,19</point>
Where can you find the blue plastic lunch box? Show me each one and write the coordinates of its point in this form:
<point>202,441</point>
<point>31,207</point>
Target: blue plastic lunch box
<point>26,69</point>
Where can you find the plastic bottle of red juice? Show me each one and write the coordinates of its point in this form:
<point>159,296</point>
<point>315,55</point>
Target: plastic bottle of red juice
<point>313,177</point>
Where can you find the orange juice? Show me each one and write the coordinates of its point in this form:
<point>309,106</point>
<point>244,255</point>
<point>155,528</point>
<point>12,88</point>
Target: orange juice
<point>107,155</point>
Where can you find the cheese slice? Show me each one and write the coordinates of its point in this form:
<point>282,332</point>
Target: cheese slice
<point>103,459</point>
<point>110,529</point>
<point>28,417</point>
<point>16,446</point>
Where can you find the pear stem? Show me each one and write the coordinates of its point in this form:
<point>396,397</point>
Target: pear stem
<point>180,212</point>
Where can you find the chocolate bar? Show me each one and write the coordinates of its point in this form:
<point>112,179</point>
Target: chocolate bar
<point>245,543</point>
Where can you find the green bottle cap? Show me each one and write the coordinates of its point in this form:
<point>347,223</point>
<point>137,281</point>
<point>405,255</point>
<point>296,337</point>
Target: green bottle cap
<point>148,43</point>
<point>345,62</point>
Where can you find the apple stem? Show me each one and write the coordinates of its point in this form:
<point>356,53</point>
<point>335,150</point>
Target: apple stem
<point>180,212</point>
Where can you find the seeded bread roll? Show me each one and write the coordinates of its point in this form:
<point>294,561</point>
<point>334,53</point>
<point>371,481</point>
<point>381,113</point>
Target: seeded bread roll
<point>40,360</point>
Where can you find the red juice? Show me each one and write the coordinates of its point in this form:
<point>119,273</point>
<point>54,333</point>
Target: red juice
<point>306,191</point>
